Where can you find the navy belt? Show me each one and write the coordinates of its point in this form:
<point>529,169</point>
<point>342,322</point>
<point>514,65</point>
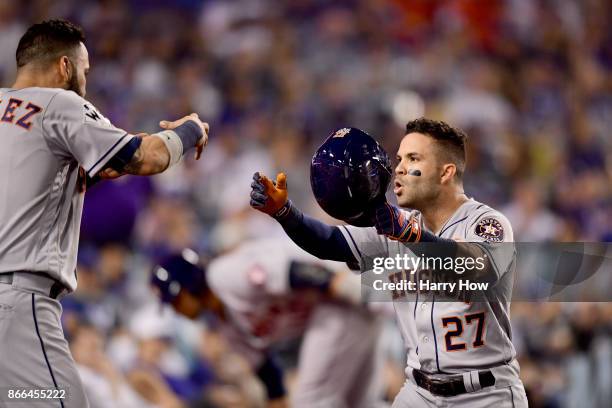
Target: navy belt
<point>451,385</point>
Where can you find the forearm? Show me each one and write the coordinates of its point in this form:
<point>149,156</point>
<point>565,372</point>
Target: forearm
<point>152,157</point>
<point>161,150</point>
<point>321,240</point>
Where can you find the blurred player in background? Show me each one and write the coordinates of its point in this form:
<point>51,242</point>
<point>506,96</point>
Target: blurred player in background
<point>269,291</point>
<point>52,141</point>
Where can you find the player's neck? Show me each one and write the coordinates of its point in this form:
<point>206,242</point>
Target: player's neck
<point>28,78</point>
<point>437,214</point>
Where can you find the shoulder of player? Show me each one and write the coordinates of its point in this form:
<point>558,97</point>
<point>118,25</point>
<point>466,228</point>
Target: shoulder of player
<point>228,272</point>
<point>219,279</point>
<point>479,210</point>
<point>62,98</point>
<point>64,101</point>
<point>234,283</point>
<point>214,272</point>
<point>40,96</point>
<point>483,218</point>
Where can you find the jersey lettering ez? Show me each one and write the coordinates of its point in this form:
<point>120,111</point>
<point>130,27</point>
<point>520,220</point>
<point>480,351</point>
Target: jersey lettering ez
<point>24,118</point>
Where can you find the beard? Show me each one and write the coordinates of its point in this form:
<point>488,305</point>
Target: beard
<point>73,81</point>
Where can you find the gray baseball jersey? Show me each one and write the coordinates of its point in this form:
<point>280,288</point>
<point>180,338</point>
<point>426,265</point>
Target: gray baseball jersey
<point>338,354</point>
<point>454,336</point>
<point>48,137</point>
<point>253,284</point>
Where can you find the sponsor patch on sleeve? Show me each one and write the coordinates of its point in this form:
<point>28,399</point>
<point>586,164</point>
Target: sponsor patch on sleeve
<point>94,117</point>
<point>490,230</point>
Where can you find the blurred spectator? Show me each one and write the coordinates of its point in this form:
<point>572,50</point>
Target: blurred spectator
<point>531,220</point>
<point>104,384</point>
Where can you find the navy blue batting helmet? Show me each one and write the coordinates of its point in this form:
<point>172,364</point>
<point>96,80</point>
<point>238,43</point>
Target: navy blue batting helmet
<point>179,271</point>
<point>349,174</point>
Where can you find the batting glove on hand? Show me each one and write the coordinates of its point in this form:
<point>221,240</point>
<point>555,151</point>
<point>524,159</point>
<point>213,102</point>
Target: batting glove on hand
<point>392,222</point>
<point>270,197</point>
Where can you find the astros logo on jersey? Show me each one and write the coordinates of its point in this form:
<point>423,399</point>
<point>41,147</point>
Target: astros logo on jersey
<point>491,230</point>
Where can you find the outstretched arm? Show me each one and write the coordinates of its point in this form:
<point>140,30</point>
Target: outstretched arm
<point>321,240</point>
<point>151,157</point>
<point>151,154</point>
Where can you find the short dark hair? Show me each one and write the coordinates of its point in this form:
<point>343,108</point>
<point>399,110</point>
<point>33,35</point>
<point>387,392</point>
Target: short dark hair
<point>48,40</point>
<point>450,139</point>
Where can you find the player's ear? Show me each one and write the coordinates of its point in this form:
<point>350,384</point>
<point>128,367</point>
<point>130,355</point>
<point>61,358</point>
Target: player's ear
<point>448,173</point>
<point>65,68</point>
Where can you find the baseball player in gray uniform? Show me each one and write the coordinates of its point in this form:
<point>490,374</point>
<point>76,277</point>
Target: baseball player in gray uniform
<point>460,353</point>
<point>54,143</point>
<point>270,291</point>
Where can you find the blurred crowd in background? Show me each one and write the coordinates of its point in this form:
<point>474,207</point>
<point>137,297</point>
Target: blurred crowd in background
<point>528,80</point>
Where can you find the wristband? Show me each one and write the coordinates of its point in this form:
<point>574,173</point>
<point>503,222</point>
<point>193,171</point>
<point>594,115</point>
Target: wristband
<point>180,139</point>
<point>173,144</point>
<point>189,133</point>
<point>288,215</point>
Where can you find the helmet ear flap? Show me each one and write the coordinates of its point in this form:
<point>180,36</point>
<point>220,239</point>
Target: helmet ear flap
<point>349,174</point>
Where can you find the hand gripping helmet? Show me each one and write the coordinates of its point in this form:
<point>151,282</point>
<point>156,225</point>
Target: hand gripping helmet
<point>179,271</point>
<point>349,175</point>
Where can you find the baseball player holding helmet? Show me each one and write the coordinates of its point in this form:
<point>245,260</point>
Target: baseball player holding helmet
<point>269,291</point>
<point>459,353</point>
<point>54,143</point>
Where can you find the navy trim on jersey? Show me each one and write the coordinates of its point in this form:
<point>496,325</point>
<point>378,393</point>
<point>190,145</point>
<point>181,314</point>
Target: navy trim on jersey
<point>42,346</point>
<point>448,226</point>
<point>433,302</point>
<point>511,396</point>
<point>416,302</point>
<point>107,152</point>
<point>353,241</point>
<point>124,156</point>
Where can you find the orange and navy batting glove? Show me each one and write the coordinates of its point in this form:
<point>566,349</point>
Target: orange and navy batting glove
<point>393,222</point>
<point>270,197</point>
